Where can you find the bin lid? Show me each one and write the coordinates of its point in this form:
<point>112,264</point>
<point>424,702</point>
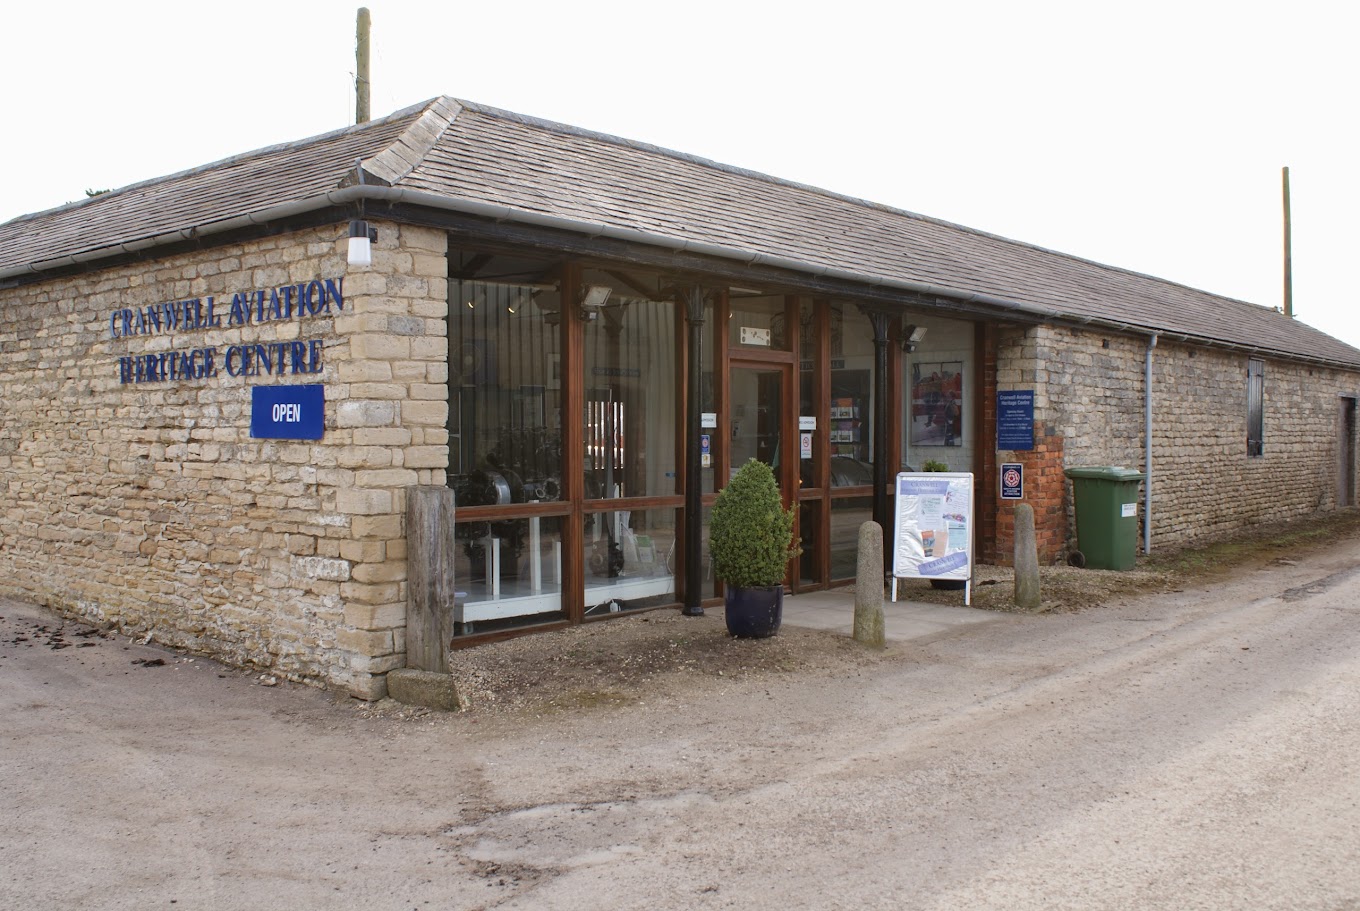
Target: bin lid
<point>1106,473</point>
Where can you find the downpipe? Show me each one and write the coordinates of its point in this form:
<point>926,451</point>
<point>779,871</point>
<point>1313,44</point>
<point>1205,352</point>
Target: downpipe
<point>1147,444</point>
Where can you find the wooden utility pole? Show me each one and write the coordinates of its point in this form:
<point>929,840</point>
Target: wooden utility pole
<point>361,65</point>
<point>1288,253</point>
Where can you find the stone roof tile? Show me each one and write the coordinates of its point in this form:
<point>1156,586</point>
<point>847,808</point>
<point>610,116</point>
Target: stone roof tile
<point>461,152</point>
<point>197,198</point>
<point>498,157</point>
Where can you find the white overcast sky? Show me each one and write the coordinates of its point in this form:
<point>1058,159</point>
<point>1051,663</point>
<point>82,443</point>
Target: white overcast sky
<point>1149,136</point>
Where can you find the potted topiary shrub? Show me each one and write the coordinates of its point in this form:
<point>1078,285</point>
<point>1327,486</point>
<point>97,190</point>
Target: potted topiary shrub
<point>750,539</point>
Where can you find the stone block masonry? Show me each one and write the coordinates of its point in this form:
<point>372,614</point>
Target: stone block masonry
<point>1204,483</point>
<point>134,494</point>
<point>1089,394</point>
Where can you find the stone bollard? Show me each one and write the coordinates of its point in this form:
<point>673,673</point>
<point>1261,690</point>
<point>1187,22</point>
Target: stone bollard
<point>1026,559</point>
<point>869,586</point>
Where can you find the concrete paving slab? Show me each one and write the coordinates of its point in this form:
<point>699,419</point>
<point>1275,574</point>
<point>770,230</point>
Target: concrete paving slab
<point>903,620</point>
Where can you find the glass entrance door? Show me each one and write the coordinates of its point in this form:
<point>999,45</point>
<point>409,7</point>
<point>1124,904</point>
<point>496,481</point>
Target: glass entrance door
<point>761,417</point>
<point>758,401</point>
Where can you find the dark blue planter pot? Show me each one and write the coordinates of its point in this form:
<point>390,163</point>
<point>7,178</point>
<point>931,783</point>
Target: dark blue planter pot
<point>754,613</point>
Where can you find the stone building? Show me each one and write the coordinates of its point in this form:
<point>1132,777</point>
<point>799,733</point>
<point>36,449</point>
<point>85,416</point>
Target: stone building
<point>211,419</point>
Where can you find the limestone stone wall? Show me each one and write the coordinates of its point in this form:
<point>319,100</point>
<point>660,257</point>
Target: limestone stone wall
<point>1205,483</point>
<point>1091,389</point>
<point>1094,394</point>
<point>134,494</point>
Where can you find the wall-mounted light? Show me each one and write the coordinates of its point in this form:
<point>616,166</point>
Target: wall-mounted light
<point>361,240</point>
<point>593,300</point>
<point>523,293</point>
<point>912,337</point>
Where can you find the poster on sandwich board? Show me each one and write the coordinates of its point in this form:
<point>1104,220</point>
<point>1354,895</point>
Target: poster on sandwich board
<point>933,528</point>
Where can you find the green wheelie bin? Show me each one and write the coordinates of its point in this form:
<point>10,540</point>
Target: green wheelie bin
<point>1106,501</point>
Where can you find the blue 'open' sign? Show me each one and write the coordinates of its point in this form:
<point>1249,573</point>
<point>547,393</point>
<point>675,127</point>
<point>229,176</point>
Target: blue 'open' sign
<point>288,412</point>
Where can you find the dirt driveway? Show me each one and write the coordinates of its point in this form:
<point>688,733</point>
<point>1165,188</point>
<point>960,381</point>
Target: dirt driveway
<point>1194,748</point>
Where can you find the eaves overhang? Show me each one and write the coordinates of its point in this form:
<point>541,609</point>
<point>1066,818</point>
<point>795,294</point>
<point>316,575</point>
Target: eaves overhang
<point>355,194</point>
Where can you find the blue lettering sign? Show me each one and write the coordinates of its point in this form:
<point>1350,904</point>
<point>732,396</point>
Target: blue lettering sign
<point>260,305</point>
<point>1015,419</point>
<point>194,364</point>
<point>274,358</point>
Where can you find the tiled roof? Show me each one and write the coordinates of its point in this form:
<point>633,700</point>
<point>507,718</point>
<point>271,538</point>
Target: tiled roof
<point>524,164</point>
<point>205,196</point>
<point>460,153</point>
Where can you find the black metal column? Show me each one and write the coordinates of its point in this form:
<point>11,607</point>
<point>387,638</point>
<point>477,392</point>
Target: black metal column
<point>694,510</point>
<point>882,474</point>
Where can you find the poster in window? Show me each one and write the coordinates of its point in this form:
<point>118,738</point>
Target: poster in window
<point>937,403</point>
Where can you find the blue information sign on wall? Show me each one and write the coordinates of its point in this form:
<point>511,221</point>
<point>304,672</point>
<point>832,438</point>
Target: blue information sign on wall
<point>288,412</point>
<point>1015,419</point>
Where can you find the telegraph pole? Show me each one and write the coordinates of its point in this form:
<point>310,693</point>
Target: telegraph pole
<point>1288,253</point>
<point>361,67</point>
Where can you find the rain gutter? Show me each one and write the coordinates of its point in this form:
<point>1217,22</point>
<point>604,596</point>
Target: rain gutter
<point>500,213</point>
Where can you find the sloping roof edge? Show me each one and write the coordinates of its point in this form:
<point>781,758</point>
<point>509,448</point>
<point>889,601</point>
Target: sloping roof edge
<point>263,216</point>
<point>378,178</point>
<point>569,130</point>
<point>399,195</point>
<point>220,163</point>
<point>388,165</point>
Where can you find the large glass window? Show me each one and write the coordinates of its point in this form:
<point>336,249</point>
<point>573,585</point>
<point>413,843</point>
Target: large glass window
<point>851,436</point>
<point>810,536</point>
<point>508,572</point>
<point>505,442</point>
<point>759,399</point>
<point>630,559</point>
<point>809,410</point>
<point>757,321</point>
<point>847,515</point>
<point>631,421</point>
<point>630,388</point>
<point>710,441</point>
<point>938,388</point>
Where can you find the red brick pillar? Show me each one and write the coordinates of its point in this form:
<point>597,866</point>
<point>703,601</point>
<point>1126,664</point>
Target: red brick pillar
<point>1045,490</point>
<point>1045,484</point>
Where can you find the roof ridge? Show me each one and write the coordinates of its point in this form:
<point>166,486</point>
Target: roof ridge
<point>409,149</point>
<point>570,130</point>
<point>225,162</point>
